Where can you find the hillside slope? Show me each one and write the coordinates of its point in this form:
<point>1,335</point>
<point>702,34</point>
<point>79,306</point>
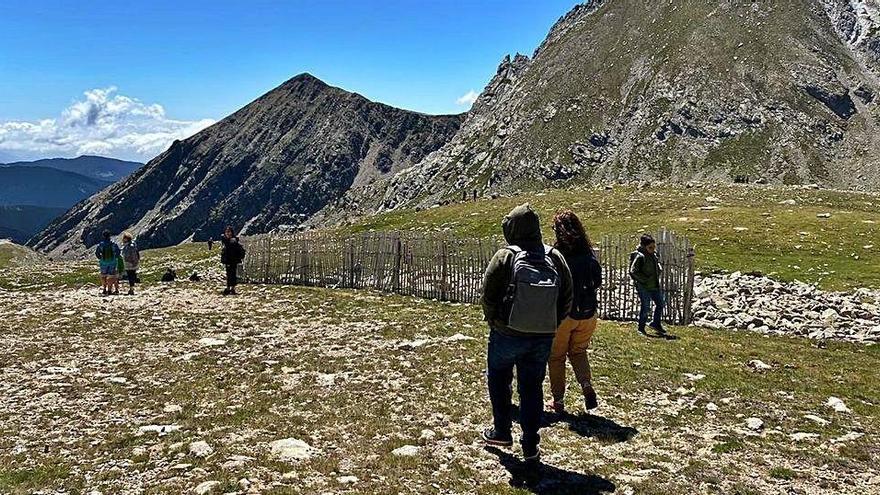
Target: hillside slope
<point>645,90</point>
<point>273,163</point>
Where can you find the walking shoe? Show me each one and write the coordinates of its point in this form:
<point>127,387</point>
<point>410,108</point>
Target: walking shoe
<point>658,328</point>
<point>104,292</point>
<point>491,437</point>
<point>590,399</point>
<point>232,292</point>
<point>130,292</point>
<point>116,292</point>
<point>642,331</point>
<point>556,406</point>
<point>226,291</point>
<point>531,453</point>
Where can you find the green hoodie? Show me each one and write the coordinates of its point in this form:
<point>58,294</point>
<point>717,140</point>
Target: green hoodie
<point>645,269</point>
<point>521,228</point>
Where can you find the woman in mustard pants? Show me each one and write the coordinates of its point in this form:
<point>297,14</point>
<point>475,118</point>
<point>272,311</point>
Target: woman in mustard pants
<point>576,331</point>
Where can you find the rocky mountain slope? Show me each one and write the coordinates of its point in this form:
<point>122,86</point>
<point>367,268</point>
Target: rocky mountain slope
<point>646,90</point>
<point>95,167</point>
<point>273,163</point>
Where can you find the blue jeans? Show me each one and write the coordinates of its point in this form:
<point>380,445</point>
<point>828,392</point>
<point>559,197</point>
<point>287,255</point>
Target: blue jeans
<point>529,355</point>
<point>647,297</point>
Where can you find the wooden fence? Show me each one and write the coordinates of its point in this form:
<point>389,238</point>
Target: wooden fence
<point>448,268</point>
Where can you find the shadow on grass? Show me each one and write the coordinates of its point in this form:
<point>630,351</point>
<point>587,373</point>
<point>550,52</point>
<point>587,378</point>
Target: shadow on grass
<point>587,425</point>
<point>545,479</point>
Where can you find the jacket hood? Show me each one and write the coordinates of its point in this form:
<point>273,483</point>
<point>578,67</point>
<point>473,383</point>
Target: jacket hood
<point>522,227</point>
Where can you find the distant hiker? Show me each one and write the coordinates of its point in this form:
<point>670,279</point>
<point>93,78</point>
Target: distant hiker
<point>645,270</point>
<point>131,258</point>
<point>194,277</point>
<point>526,294</point>
<point>107,253</point>
<point>169,276</point>
<point>210,243</point>
<point>475,194</point>
<point>576,330</point>
<point>231,255</point>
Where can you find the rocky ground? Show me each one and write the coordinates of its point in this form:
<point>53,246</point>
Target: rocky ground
<point>297,390</point>
<point>761,304</point>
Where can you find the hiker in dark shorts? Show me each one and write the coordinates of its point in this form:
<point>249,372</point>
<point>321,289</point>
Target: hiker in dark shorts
<point>576,331</point>
<point>231,255</point>
<point>131,258</point>
<point>645,270</point>
<point>107,253</point>
<point>526,294</point>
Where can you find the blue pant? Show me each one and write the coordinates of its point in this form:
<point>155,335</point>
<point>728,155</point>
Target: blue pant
<point>647,297</point>
<point>529,355</point>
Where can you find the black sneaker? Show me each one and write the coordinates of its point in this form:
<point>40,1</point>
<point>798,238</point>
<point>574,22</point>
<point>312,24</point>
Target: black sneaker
<point>658,328</point>
<point>493,438</point>
<point>531,453</point>
<point>642,332</point>
<point>226,291</point>
<point>590,399</point>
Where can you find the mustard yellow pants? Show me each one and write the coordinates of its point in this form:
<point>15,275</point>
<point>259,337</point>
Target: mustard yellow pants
<point>572,339</point>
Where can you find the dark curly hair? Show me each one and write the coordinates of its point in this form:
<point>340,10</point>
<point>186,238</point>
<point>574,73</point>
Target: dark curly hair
<point>570,234</point>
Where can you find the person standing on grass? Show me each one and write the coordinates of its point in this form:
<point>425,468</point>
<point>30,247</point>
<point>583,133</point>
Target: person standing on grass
<point>526,294</point>
<point>131,257</point>
<point>576,330</point>
<point>645,269</point>
<point>107,253</point>
<point>231,255</point>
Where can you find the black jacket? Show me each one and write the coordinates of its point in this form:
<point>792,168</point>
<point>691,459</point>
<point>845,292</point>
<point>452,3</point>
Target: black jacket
<point>586,277</point>
<point>232,252</point>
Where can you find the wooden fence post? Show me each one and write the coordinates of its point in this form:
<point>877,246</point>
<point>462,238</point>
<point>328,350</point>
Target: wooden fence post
<point>689,286</point>
<point>395,277</point>
<point>444,269</point>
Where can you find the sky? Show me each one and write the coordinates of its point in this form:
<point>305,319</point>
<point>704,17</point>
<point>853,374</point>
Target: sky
<point>125,78</point>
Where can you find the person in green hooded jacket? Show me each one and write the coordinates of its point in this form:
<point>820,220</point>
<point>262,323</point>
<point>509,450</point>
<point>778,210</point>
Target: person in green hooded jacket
<point>523,314</point>
<point>645,270</point>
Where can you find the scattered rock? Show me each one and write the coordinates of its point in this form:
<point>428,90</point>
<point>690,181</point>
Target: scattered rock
<point>818,420</point>
<point>406,451</point>
<point>291,449</point>
<point>802,436</point>
<point>759,366</point>
<point>159,429</point>
<point>206,487</point>
<point>211,342</point>
<point>755,423</point>
<point>200,449</point>
<point>837,405</point>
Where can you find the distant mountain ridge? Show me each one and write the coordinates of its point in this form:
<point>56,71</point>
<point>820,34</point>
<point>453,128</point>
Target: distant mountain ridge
<point>273,163</point>
<point>20,223</point>
<point>43,186</point>
<point>95,167</point>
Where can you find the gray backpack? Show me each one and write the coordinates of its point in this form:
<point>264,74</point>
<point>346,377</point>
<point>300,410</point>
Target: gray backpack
<point>533,292</point>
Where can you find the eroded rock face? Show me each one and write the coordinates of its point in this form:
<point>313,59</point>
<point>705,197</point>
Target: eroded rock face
<point>647,90</point>
<point>275,162</point>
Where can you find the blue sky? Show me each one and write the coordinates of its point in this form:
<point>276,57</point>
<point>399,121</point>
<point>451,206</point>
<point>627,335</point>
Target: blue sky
<point>202,60</point>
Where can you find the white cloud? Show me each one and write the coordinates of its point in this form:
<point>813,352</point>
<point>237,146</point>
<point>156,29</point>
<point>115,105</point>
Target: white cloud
<point>103,123</point>
<point>468,98</point>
